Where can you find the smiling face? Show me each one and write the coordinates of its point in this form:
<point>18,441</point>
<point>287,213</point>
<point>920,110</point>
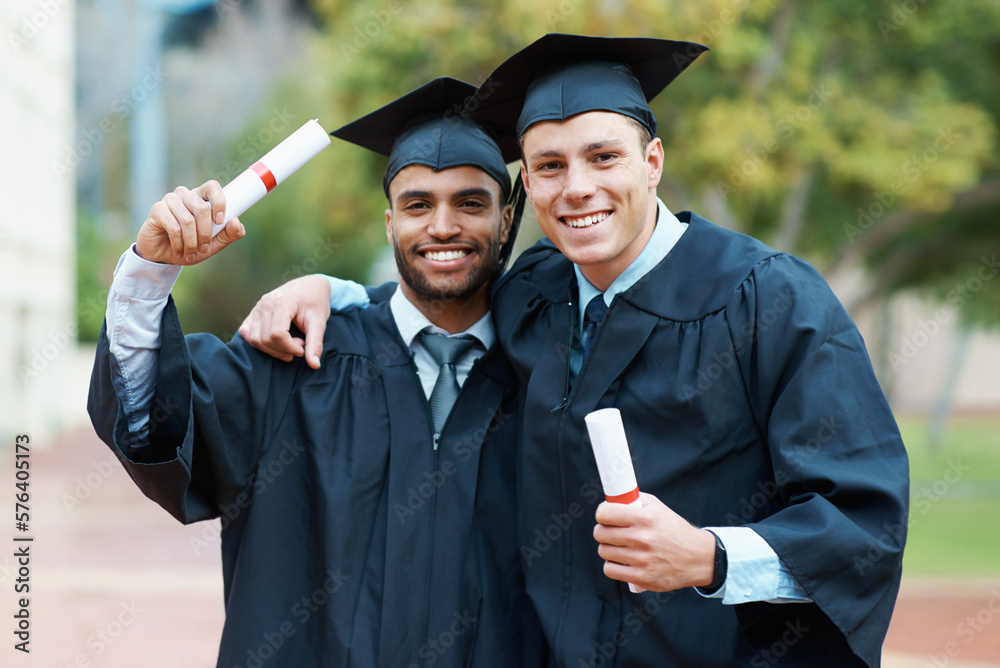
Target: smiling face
<point>593,187</point>
<point>447,228</point>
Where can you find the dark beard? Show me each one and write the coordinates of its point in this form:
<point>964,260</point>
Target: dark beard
<point>477,278</point>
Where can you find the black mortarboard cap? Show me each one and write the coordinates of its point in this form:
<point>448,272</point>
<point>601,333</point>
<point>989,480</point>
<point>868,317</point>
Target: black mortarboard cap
<point>426,127</point>
<point>560,75</point>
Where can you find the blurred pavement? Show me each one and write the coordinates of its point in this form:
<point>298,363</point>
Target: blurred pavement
<point>117,583</point>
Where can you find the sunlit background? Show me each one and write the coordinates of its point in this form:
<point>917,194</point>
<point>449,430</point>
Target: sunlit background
<point>860,135</point>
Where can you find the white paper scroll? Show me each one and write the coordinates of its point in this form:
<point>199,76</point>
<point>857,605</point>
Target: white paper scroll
<point>614,463</point>
<point>277,165</point>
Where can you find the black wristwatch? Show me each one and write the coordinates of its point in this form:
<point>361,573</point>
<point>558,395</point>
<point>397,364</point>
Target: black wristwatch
<point>721,567</point>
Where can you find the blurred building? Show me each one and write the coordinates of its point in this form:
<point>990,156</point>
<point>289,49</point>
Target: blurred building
<point>925,359</point>
<point>928,362</point>
<point>40,387</point>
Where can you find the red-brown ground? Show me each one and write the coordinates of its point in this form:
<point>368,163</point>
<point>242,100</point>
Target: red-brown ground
<point>117,583</point>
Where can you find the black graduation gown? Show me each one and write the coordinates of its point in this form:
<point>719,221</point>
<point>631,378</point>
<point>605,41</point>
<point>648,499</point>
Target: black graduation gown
<point>748,399</point>
<point>346,540</point>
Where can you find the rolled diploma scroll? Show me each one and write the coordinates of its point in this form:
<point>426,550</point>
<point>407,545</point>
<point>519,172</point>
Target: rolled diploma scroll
<point>614,463</point>
<point>277,165</point>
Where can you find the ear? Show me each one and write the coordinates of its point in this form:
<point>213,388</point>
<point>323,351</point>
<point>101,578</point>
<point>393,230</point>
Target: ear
<point>506,220</point>
<point>388,228</point>
<point>523,174</point>
<point>654,160</point>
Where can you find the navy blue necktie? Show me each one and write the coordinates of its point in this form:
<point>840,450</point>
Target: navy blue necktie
<point>592,317</point>
<point>445,350</point>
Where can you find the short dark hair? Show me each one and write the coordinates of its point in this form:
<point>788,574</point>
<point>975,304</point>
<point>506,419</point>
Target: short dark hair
<point>645,136</point>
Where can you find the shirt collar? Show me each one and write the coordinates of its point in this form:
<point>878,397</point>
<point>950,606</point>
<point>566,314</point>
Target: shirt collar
<point>665,234</point>
<point>410,322</point>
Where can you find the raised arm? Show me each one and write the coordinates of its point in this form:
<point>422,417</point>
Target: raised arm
<point>125,381</point>
<point>177,231</point>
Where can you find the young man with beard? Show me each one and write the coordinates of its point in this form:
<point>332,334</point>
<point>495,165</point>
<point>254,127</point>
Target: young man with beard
<point>366,522</point>
<point>774,479</point>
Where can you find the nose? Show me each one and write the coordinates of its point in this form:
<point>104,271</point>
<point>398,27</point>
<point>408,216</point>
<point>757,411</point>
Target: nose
<point>579,184</point>
<point>442,224</point>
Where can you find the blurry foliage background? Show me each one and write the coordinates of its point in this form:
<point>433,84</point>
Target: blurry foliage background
<point>856,134</point>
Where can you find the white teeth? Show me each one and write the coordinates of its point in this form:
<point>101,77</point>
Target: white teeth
<point>586,221</point>
<point>441,256</point>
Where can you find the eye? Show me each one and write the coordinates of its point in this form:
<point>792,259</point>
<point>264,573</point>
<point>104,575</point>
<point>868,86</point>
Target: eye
<point>472,205</point>
<point>416,205</point>
<point>547,166</point>
<point>604,157</point>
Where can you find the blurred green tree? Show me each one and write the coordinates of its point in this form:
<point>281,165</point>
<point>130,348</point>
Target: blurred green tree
<point>860,135</point>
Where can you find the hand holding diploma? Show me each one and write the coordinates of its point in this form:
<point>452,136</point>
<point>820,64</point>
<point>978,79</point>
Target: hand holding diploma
<point>186,226</point>
<point>178,229</point>
<point>642,541</point>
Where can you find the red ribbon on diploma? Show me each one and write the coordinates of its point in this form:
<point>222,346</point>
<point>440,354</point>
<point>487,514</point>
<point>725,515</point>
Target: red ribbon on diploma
<point>266,177</point>
<point>627,497</point>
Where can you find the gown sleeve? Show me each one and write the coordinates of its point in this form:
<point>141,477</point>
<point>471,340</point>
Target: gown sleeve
<point>838,459</point>
<point>208,420</point>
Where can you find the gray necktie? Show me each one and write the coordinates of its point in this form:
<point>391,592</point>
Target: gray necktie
<point>445,350</point>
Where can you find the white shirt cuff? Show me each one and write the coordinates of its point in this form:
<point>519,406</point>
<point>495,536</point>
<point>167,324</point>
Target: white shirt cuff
<point>755,573</point>
<point>137,278</point>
